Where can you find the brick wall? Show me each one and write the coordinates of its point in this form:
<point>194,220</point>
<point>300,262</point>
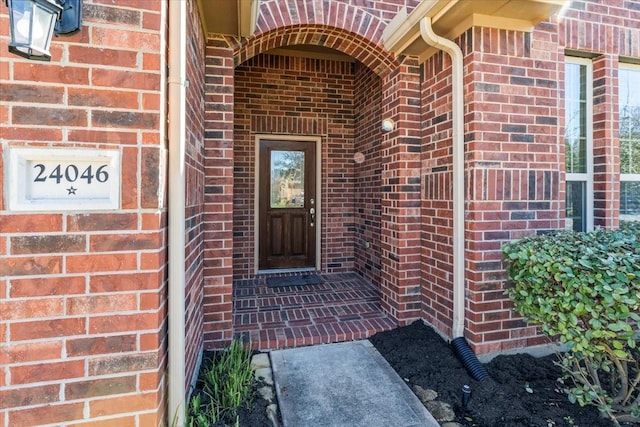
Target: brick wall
<point>400,193</point>
<point>437,193</point>
<point>218,192</point>
<point>535,94</point>
<point>194,200</point>
<point>83,306</point>
<point>368,138</point>
<point>296,96</point>
<point>513,159</point>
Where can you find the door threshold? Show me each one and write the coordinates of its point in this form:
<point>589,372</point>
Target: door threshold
<point>287,270</point>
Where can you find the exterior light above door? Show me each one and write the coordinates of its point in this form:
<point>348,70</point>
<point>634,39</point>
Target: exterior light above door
<point>33,23</point>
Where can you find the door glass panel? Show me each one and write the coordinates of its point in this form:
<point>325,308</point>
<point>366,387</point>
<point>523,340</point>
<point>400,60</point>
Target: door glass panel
<point>287,179</point>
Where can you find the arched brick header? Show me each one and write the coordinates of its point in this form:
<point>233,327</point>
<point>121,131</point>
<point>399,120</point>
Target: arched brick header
<point>337,25</point>
<point>339,14</point>
<point>373,56</point>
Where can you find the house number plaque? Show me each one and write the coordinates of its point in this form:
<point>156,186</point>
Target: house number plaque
<point>54,179</point>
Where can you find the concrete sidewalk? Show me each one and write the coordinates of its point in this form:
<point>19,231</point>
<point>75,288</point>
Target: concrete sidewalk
<point>345,384</point>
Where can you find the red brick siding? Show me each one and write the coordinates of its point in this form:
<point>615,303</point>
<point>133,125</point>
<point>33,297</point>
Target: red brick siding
<point>512,180</point>
<point>218,193</point>
<point>367,100</point>
<point>294,96</point>
<point>514,139</point>
<point>352,27</point>
<point>513,162</point>
<point>606,151</point>
<point>194,213</point>
<point>400,201</point>
<point>362,17</point>
<point>437,194</point>
<point>83,306</point>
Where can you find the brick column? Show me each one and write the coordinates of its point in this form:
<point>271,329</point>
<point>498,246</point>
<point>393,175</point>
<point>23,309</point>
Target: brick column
<point>400,216</point>
<point>513,186</point>
<point>218,193</point>
<point>606,144</point>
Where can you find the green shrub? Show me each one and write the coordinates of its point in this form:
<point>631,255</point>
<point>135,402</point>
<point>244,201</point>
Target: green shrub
<point>632,227</point>
<point>583,289</point>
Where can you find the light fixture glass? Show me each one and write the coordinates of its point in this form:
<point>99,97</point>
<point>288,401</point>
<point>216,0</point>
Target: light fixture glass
<point>32,23</point>
<point>388,125</point>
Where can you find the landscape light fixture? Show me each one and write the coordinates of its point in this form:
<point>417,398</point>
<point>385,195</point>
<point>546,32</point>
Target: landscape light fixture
<point>33,23</point>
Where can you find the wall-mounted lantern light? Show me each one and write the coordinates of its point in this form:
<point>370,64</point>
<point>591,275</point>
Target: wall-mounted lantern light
<point>33,23</point>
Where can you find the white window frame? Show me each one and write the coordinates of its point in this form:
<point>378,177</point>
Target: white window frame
<point>586,177</point>
<point>628,177</point>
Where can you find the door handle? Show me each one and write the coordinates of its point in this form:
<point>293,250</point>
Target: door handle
<point>312,212</point>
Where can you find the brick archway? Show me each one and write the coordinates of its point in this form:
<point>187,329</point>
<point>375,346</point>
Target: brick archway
<point>358,35</point>
<point>340,26</point>
<point>366,51</point>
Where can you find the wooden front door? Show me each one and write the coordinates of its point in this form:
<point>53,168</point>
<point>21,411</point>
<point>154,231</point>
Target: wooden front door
<point>287,204</point>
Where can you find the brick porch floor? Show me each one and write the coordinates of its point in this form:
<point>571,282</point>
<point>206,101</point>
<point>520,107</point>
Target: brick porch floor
<point>343,307</point>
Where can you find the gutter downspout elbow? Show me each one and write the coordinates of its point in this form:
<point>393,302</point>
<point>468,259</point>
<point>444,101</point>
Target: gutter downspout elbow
<point>177,83</point>
<point>454,51</point>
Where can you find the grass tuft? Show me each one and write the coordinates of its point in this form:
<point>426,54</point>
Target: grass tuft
<point>226,383</point>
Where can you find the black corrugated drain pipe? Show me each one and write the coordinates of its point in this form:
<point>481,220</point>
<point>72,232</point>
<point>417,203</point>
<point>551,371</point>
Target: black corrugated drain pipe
<point>469,360</point>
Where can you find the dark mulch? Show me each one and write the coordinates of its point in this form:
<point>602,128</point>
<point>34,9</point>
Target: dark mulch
<point>423,358</point>
<point>254,414</point>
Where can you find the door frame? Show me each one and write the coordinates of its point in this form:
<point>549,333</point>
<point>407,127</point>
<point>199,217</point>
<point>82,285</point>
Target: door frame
<point>317,140</point>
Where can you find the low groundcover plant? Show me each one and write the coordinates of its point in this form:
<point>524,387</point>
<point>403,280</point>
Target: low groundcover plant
<point>583,289</point>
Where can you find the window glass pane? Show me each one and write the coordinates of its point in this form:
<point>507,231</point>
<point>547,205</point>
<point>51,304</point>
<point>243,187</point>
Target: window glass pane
<point>630,200</point>
<point>576,206</point>
<point>629,80</point>
<point>287,179</point>
<point>576,118</point>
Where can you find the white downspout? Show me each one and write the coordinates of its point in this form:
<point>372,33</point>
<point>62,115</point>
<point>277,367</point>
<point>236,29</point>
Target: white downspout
<point>454,51</point>
<point>177,83</point>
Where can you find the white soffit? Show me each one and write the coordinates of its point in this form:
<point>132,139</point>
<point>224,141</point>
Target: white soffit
<point>230,17</point>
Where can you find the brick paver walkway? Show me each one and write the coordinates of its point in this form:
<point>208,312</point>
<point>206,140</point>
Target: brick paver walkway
<point>344,307</point>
